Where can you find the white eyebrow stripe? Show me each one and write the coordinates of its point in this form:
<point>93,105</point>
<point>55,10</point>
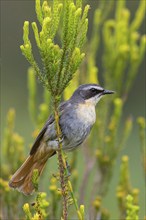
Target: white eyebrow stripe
<point>93,87</point>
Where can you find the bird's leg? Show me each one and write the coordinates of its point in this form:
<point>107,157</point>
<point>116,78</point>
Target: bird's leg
<point>60,140</point>
<point>54,144</point>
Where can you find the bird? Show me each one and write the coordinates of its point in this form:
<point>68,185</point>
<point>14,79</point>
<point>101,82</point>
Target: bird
<point>77,116</point>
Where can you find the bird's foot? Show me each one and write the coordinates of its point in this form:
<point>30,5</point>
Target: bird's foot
<point>60,139</point>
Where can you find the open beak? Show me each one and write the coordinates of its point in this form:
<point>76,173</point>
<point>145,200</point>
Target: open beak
<point>107,92</point>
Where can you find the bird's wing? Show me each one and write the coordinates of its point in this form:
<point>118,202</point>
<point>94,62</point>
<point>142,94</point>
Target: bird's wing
<point>40,135</point>
<point>63,106</point>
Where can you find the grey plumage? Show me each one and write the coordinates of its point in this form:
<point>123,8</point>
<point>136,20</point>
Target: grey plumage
<point>77,116</point>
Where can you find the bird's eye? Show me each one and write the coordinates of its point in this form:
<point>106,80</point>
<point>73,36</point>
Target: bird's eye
<point>93,90</point>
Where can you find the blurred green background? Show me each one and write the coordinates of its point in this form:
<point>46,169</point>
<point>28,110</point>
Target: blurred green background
<point>14,90</point>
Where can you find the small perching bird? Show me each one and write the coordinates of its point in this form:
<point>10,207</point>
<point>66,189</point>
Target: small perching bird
<point>77,116</point>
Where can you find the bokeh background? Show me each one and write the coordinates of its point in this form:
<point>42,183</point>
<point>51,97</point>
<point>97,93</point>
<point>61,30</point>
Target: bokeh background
<point>14,90</point>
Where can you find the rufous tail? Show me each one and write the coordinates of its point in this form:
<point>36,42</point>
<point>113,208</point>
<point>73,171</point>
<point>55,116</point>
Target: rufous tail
<point>22,178</point>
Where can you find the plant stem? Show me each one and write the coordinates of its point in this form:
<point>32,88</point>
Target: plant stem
<point>61,161</point>
<point>63,170</point>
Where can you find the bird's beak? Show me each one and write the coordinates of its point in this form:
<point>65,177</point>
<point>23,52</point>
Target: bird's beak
<point>107,92</point>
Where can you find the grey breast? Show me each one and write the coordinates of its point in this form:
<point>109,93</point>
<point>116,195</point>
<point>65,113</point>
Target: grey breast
<point>75,128</point>
<point>75,122</point>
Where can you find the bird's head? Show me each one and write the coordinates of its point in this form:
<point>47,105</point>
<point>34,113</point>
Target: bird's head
<point>89,93</point>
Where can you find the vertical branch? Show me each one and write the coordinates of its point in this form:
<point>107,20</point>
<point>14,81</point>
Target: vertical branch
<point>60,160</point>
<point>65,185</point>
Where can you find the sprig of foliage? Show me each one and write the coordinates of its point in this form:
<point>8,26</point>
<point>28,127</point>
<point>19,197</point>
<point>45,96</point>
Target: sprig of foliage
<point>38,209</point>
<point>13,156</point>
<point>99,210</point>
<point>40,113</point>
<point>11,138</point>
<point>40,205</point>
<point>124,187</point>
<point>142,132</point>
<point>132,210</point>
<point>60,62</point>
<point>121,36</point>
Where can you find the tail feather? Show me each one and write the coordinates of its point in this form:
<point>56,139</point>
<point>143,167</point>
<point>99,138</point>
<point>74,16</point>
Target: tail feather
<point>22,179</point>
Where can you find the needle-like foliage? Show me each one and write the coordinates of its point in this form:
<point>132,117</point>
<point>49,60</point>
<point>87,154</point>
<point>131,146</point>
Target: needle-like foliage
<point>59,62</point>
